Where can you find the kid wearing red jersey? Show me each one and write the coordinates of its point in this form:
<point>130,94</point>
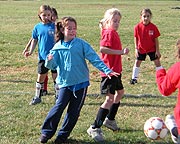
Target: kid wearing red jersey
<point>168,81</point>
<point>111,51</point>
<point>146,43</point>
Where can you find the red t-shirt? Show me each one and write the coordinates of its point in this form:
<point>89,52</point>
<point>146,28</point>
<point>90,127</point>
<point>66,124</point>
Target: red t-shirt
<point>167,83</point>
<point>111,39</point>
<point>145,37</point>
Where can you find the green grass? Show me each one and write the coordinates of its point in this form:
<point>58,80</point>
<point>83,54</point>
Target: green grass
<point>21,123</point>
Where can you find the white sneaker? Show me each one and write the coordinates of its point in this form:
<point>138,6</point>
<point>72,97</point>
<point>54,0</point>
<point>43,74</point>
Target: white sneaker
<point>171,124</point>
<point>111,124</point>
<point>96,134</point>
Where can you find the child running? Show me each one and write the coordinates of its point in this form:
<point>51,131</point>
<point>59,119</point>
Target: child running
<point>43,35</point>
<point>69,57</point>
<point>146,43</point>
<point>111,51</point>
<point>54,16</point>
<point>168,81</point>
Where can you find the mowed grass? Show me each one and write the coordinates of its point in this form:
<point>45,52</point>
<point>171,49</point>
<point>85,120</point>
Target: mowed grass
<point>21,123</point>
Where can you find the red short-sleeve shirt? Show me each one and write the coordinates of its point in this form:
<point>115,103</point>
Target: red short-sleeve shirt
<point>145,37</point>
<point>111,39</point>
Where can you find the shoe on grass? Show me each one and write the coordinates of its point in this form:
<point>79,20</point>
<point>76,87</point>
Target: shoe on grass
<point>43,139</point>
<point>35,100</point>
<point>96,134</point>
<point>133,81</point>
<point>171,125</point>
<point>111,124</point>
<point>59,141</point>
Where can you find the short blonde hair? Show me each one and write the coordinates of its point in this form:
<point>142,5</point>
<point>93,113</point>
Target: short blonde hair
<point>109,14</point>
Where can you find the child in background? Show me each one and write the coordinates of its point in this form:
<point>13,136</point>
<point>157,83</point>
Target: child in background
<point>146,43</point>
<point>167,82</point>
<point>43,35</point>
<point>111,51</point>
<point>69,56</point>
<point>54,16</point>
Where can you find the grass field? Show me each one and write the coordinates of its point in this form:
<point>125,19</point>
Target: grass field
<point>21,123</point>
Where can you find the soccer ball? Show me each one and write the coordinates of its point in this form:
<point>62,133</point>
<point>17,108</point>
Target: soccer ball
<point>155,128</point>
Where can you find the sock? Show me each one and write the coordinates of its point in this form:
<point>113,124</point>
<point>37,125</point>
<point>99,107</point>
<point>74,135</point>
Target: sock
<point>135,72</point>
<point>45,83</point>
<point>113,111</point>
<point>158,68</point>
<point>101,115</point>
<point>39,89</point>
<point>178,141</point>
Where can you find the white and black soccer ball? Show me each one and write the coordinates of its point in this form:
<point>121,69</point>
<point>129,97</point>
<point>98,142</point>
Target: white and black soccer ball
<point>155,128</point>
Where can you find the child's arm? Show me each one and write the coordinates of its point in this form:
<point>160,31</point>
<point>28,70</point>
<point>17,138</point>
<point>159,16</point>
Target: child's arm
<point>136,47</point>
<point>157,48</point>
<point>32,47</point>
<point>51,60</point>
<point>27,47</point>
<point>107,50</point>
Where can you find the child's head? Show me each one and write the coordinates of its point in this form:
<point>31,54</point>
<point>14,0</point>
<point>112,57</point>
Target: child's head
<point>54,15</point>
<point>66,29</point>
<point>111,19</point>
<point>44,13</point>
<point>146,16</point>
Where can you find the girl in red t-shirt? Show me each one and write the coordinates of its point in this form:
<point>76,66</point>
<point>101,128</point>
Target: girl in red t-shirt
<point>146,43</point>
<point>168,82</point>
<point>111,51</point>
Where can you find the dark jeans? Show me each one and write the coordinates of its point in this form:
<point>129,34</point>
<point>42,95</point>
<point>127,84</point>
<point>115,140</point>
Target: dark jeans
<point>75,101</point>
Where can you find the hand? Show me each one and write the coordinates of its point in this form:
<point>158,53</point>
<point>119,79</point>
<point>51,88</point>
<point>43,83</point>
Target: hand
<point>113,74</point>
<point>125,50</point>
<point>26,54</point>
<point>50,57</point>
<point>136,53</point>
<point>158,55</point>
<point>24,51</point>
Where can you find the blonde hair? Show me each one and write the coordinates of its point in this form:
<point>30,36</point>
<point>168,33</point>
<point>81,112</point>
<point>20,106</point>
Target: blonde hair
<point>109,14</point>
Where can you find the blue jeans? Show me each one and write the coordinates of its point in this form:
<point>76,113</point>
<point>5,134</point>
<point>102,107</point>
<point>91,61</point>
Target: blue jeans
<point>75,101</point>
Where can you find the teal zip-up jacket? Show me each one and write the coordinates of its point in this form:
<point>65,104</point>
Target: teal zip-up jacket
<point>71,64</point>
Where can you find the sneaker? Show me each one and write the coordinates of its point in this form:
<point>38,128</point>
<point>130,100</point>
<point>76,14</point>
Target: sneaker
<point>35,101</point>
<point>133,81</point>
<point>44,92</point>
<point>59,141</point>
<point>171,125</point>
<point>43,138</point>
<point>111,124</point>
<point>96,134</point>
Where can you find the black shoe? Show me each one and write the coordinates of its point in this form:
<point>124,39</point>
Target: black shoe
<point>133,81</point>
<point>59,141</point>
<point>43,138</point>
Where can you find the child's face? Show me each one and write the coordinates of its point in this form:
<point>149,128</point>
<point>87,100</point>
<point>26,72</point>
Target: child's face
<point>70,31</point>
<point>54,17</point>
<point>115,22</point>
<point>45,16</point>
<point>145,18</point>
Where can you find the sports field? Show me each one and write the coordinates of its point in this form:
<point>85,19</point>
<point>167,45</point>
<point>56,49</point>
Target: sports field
<point>21,123</point>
